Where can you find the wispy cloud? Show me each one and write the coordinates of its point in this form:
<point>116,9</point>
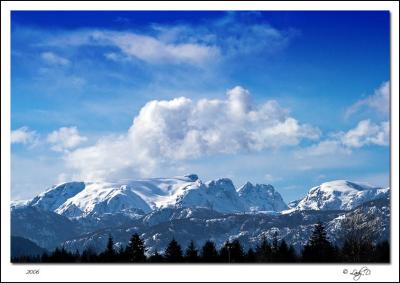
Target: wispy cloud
<point>147,48</point>
<point>378,101</point>
<point>187,44</point>
<point>54,59</point>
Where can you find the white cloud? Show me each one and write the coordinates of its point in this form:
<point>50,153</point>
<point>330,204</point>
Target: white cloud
<point>54,59</point>
<point>365,133</point>
<point>23,135</point>
<point>167,132</point>
<point>378,101</point>
<point>199,45</point>
<point>65,138</point>
<point>147,48</point>
<point>326,147</point>
<point>152,50</point>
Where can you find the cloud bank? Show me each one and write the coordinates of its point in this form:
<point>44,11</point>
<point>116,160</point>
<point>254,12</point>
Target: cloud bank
<point>169,131</point>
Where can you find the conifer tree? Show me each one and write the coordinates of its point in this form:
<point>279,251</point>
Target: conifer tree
<point>109,254</point>
<point>232,252</point>
<point>156,257</point>
<point>318,247</point>
<point>285,253</point>
<point>191,254</point>
<point>237,254</point>
<point>173,253</point>
<point>382,252</point>
<point>135,250</point>
<point>89,255</point>
<point>250,255</point>
<point>358,235</point>
<point>225,252</point>
<point>76,256</point>
<point>275,248</point>
<point>263,251</point>
<point>209,252</point>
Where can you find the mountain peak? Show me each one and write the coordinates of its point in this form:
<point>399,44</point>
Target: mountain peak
<point>192,177</point>
<point>261,197</point>
<point>222,182</point>
<point>344,185</point>
<point>339,195</point>
<point>52,198</point>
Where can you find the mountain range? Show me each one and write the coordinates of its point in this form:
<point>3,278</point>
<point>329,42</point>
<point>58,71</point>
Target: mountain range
<point>78,215</point>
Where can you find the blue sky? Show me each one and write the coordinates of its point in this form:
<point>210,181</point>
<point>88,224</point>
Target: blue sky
<point>288,98</point>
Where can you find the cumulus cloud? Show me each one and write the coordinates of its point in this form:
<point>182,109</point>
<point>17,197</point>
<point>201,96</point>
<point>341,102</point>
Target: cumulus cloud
<point>169,131</point>
<point>65,138</point>
<point>54,59</point>
<point>24,136</point>
<point>379,101</point>
<point>365,133</point>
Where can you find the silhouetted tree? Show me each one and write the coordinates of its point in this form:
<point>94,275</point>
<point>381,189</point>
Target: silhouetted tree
<point>191,253</point>
<point>156,257</point>
<point>89,255</point>
<point>250,256</point>
<point>225,252</point>
<point>358,235</point>
<point>382,252</point>
<point>263,251</point>
<point>274,245</point>
<point>285,253</point>
<point>109,255</point>
<point>77,256</point>
<point>232,252</point>
<point>318,247</point>
<point>209,252</point>
<point>44,257</point>
<point>173,253</point>
<point>135,250</point>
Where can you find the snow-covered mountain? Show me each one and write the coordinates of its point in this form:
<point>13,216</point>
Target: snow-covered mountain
<point>201,224</point>
<point>54,197</point>
<point>339,195</point>
<point>218,195</point>
<point>82,214</point>
<point>46,228</point>
<point>261,197</point>
<point>138,197</point>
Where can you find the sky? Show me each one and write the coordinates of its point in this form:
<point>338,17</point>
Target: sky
<point>289,98</point>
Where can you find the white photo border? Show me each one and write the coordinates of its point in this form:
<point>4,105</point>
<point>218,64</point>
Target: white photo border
<point>178,273</point>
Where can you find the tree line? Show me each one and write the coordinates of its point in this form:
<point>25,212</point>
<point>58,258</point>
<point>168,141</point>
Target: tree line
<point>318,249</point>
